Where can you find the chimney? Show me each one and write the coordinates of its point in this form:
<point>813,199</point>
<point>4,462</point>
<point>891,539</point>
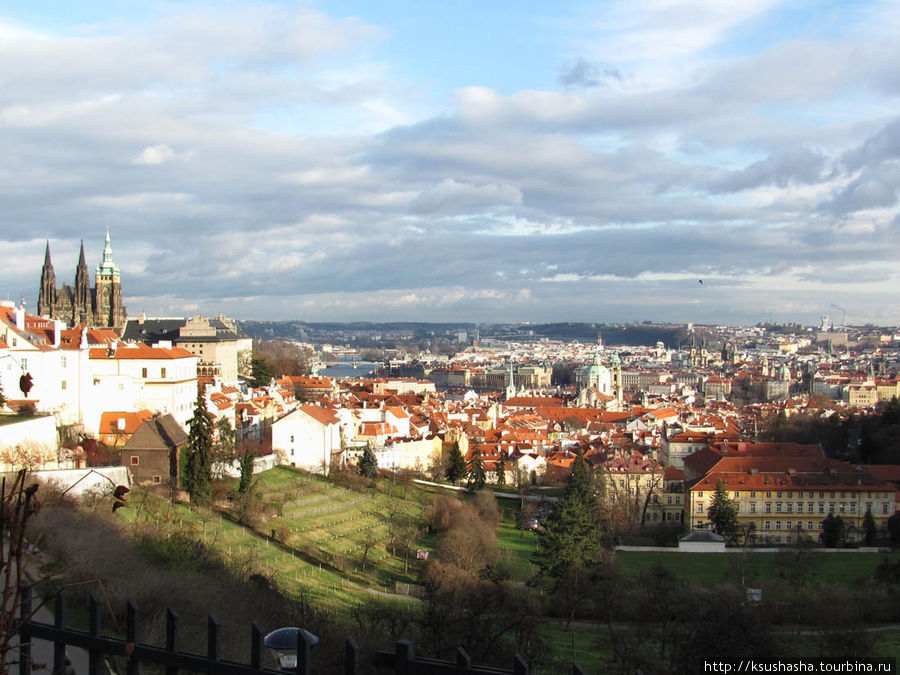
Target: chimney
<point>57,327</point>
<point>20,317</point>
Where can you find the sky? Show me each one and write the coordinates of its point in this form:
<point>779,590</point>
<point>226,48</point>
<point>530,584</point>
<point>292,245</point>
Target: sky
<point>488,162</point>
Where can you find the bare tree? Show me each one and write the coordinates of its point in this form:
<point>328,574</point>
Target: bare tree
<point>18,504</point>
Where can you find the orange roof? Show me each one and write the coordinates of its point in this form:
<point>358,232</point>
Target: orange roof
<point>321,415</point>
<point>109,421</point>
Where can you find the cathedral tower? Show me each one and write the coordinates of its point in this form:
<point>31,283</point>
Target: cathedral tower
<point>82,303</point>
<point>108,309</point>
<point>47,294</point>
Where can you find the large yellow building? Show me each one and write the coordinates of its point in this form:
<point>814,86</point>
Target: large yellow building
<point>782,498</point>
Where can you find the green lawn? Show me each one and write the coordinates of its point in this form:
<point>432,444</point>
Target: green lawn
<point>710,569</point>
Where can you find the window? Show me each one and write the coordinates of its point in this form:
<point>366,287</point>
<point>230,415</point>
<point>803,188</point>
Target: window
<point>121,387</point>
<point>669,501</point>
<point>63,385</point>
<point>752,507</point>
<point>768,525</point>
<point>821,524</point>
<point>821,507</point>
<point>62,361</point>
<point>768,507</point>
<point>752,493</point>
<point>778,507</point>
<point>699,494</point>
<point>779,494</point>
<point>699,508</point>
<point>852,507</point>
<point>884,508</point>
<point>135,460</point>
<point>800,525</point>
<point>842,494</point>
<point>799,507</point>
<point>808,524</point>
<point>143,372</point>
<point>157,479</point>
<point>809,507</point>
<point>162,372</point>
<point>292,438</point>
<point>790,494</point>
<point>768,494</point>
<point>24,360</point>
<point>869,506</point>
<point>790,507</point>
<point>777,524</point>
<point>831,507</point>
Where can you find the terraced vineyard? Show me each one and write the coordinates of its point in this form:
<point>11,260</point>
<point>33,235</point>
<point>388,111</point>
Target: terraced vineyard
<point>320,536</point>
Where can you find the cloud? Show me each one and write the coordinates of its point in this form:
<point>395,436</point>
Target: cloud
<point>452,196</point>
<point>269,161</point>
<point>153,155</point>
<point>585,73</point>
<point>783,169</point>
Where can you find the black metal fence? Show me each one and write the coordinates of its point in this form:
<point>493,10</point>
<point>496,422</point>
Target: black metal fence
<point>402,660</point>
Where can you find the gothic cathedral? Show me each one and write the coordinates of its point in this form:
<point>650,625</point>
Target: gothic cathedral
<point>80,304</point>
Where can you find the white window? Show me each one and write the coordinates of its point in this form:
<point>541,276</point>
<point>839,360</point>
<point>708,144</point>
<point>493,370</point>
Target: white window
<point>135,460</point>
<point>62,361</point>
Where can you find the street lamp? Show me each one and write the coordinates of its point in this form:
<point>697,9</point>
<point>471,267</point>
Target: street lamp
<point>287,643</point>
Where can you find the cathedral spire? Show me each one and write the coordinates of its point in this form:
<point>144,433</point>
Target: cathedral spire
<point>47,292</point>
<point>107,266</point>
<point>82,304</point>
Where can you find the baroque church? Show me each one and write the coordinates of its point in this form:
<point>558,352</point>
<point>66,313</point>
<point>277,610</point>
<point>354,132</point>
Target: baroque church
<point>81,304</point>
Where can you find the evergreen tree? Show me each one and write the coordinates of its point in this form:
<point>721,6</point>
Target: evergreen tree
<point>368,463</point>
<point>224,447</point>
<point>198,466</point>
<point>869,529</point>
<point>832,531</point>
<point>2,397</point>
<point>579,483</point>
<point>456,464</point>
<point>246,466</point>
<point>723,514</point>
<point>501,468</point>
<point>477,477</point>
<point>570,542</point>
<point>262,371</point>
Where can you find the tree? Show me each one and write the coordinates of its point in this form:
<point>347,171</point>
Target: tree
<point>2,397</point>
<point>832,531</point>
<point>224,447</point>
<point>893,526</point>
<point>368,463</point>
<point>501,469</point>
<point>456,464</point>
<point>198,466</point>
<point>723,514</point>
<point>246,465</point>
<point>869,528</point>
<point>570,542</point>
<point>579,484</point>
<point>477,477</point>
<point>262,371</point>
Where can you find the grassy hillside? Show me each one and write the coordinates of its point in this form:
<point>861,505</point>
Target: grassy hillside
<point>306,534</point>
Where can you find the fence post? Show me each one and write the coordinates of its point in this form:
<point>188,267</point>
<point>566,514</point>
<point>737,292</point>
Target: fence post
<point>463,661</point>
<point>94,625</point>
<point>212,638</point>
<point>24,631</point>
<point>351,657</point>
<point>256,639</point>
<point>131,638</point>
<point>519,666</point>
<point>59,622</point>
<point>171,637</point>
<point>406,655</point>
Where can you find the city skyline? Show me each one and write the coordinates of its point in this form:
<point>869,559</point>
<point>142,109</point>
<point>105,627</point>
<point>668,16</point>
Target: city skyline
<point>338,161</point>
